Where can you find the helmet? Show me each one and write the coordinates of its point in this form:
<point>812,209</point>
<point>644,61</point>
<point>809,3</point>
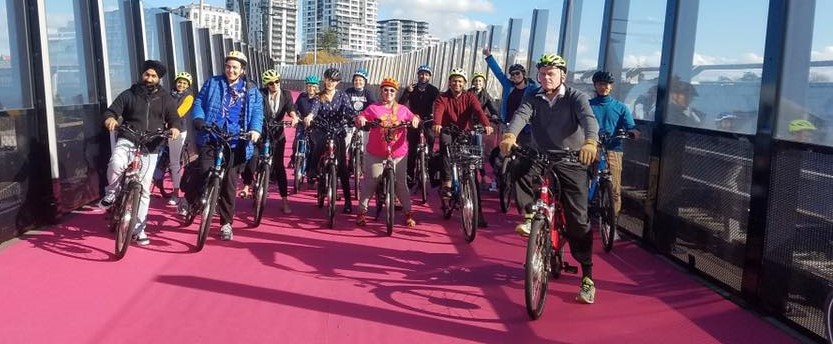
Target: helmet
<point>602,76</point>
<point>389,82</point>
<point>425,68</point>
<point>312,80</point>
<point>458,72</point>
<point>185,76</point>
<point>478,75</point>
<point>801,124</point>
<point>362,73</point>
<point>332,74</point>
<point>270,76</point>
<point>239,56</point>
<point>517,67</point>
<point>725,115</point>
<point>551,60</point>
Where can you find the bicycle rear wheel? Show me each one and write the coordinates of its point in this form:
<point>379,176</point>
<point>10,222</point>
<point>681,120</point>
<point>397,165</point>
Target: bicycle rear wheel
<point>468,207</point>
<point>210,206</point>
<point>126,217</point>
<point>261,192</point>
<point>423,176</point>
<point>536,268</point>
<point>389,200</point>
<point>606,215</point>
<point>356,158</point>
<point>331,195</point>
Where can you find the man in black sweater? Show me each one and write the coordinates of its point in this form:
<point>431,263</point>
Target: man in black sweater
<point>419,97</point>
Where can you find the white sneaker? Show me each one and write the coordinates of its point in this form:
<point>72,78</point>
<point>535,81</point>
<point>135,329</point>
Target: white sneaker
<point>226,233</point>
<point>173,200</point>
<point>141,239</point>
<point>108,200</point>
<point>493,186</point>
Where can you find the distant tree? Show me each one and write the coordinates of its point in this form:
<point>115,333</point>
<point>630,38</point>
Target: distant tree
<point>750,76</point>
<point>328,41</point>
<point>724,78</point>
<point>323,58</point>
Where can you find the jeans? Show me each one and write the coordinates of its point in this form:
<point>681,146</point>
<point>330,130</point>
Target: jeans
<point>119,160</point>
<point>236,160</point>
<point>174,151</point>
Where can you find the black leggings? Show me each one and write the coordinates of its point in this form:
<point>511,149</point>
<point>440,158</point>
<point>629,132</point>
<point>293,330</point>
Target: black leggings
<point>278,167</point>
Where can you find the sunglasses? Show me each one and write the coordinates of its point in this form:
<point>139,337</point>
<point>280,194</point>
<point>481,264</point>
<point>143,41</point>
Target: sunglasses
<point>273,83</point>
<point>515,73</point>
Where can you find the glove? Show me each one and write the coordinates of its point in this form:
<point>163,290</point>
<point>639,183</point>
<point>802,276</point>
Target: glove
<point>507,141</point>
<point>199,124</point>
<point>588,152</point>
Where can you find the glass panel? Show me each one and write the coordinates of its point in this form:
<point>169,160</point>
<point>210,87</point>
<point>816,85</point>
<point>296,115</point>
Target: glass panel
<point>587,53</point>
<point>716,79</point>
<point>808,100</point>
<point>119,45</point>
<point>15,92</point>
<point>70,53</point>
<point>180,44</point>
<point>153,34</point>
<point>638,51</point>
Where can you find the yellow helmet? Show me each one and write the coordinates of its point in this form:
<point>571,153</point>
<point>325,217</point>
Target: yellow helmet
<point>801,124</point>
<point>551,60</point>
<point>270,76</point>
<point>184,76</point>
<point>239,56</point>
<point>478,75</point>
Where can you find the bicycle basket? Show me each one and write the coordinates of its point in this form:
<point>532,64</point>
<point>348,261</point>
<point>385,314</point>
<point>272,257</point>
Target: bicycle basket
<point>464,153</point>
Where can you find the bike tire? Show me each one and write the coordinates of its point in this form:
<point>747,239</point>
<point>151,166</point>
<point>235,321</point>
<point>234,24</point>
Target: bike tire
<point>389,200</point>
<point>356,157</point>
<point>468,208</point>
<point>447,206</point>
<point>504,189</point>
<point>321,188</point>
<point>423,176</point>
<point>261,192</point>
<point>536,268</point>
<point>606,215</point>
<point>299,175</point>
<point>331,196</point>
<point>126,218</point>
<point>211,195</point>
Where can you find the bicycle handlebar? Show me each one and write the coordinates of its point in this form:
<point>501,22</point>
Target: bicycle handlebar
<point>144,137</point>
<point>549,156</point>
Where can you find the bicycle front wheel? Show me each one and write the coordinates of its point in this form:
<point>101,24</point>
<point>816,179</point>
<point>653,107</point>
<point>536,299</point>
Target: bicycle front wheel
<point>210,206</point>
<point>127,213</point>
<point>423,176</point>
<point>536,268</point>
<point>606,216</point>
<point>505,186</point>
<point>468,208</point>
<point>356,157</point>
<point>261,192</point>
<point>331,196</point>
<point>299,173</point>
<point>389,200</point>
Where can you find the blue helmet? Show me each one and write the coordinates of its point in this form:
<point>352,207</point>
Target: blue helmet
<point>362,73</point>
<point>425,68</point>
<point>312,80</point>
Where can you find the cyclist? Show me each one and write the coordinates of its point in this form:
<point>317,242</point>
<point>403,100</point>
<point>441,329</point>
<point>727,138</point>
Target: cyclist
<point>802,130</point>
<point>389,112</point>
<point>277,103</point>
<point>185,96</point>
<point>456,106</point>
<point>360,97</point>
<point>612,115</point>
<point>235,105</point>
<point>303,105</point>
<point>145,106</point>
<point>560,118</point>
<point>420,97</point>
<point>515,87</point>
<point>334,108</point>
<point>680,111</point>
<point>478,87</point>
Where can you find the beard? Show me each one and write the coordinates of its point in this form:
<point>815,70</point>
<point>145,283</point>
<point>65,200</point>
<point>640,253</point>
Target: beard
<point>151,87</point>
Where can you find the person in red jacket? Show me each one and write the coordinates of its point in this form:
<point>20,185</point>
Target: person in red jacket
<point>460,108</point>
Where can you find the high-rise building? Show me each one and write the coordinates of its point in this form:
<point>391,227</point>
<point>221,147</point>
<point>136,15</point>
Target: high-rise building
<point>398,36</point>
<point>271,26</point>
<point>216,19</point>
<point>353,21</point>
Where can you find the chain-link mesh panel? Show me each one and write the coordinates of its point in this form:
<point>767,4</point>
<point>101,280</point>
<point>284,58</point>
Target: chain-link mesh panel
<point>635,167</point>
<point>797,265</point>
<point>705,182</point>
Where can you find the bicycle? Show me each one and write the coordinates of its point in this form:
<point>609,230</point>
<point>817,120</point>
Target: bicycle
<point>328,169</point>
<point>299,159</point>
<point>421,168</point>
<point>600,194</point>
<point>207,203</point>
<point>506,190</point>
<point>263,171</point>
<point>356,160</point>
<point>386,186</point>
<point>163,165</point>
<point>545,245</point>
<point>123,215</point>
<point>466,159</point>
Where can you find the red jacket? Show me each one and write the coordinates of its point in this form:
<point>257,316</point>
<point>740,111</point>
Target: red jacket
<point>459,111</point>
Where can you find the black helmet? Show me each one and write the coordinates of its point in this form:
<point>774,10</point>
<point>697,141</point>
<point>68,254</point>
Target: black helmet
<point>332,74</point>
<point>517,67</point>
<point>602,76</point>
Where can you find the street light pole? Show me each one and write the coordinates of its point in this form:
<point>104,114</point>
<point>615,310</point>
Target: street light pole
<point>315,33</point>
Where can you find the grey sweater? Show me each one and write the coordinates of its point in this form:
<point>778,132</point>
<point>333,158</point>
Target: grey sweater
<point>567,124</point>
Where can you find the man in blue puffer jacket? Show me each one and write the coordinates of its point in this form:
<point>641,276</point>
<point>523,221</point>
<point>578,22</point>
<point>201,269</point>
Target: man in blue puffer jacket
<point>234,105</point>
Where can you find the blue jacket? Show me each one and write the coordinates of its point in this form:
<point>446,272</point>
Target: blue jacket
<point>208,105</point>
<point>530,89</point>
<point>612,115</point>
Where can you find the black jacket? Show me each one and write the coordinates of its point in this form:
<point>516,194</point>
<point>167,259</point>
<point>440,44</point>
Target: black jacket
<point>286,105</point>
<point>145,112</point>
<point>487,103</point>
<point>421,102</point>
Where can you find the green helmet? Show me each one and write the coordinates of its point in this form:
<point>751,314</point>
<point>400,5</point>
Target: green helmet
<point>312,80</point>
<point>801,124</point>
<point>270,76</point>
<point>551,60</point>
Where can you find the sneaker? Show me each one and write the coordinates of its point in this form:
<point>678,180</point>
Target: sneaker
<point>107,201</point>
<point>361,218</point>
<point>493,186</point>
<point>226,233</point>
<point>182,208</point>
<point>141,239</point>
<point>409,220</point>
<point>173,200</point>
<point>587,293</point>
<point>348,208</point>
<point>524,228</point>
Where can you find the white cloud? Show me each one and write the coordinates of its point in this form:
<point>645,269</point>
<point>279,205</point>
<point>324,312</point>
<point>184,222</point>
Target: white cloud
<point>824,54</point>
<point>651,60</point>
<point>446,19</point>
<point>751,58</point>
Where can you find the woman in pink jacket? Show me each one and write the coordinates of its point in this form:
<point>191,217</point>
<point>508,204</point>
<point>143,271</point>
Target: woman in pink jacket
<point>388,112</point>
